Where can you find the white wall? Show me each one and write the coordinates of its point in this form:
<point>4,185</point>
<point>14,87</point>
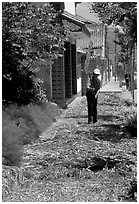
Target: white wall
<point>70,7</point>
<point>83,9</point>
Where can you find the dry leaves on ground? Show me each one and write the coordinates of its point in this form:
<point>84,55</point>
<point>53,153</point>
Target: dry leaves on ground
<point>74,161</point>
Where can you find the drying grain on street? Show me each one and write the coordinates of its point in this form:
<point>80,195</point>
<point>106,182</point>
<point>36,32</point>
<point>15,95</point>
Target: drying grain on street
<point>69,102</point>
<point>74,161</point>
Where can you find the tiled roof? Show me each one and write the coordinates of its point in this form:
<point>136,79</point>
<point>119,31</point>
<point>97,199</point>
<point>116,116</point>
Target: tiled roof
<point>86,20</point>
<point>77,21</point>
<point>78,18</point>
<point>94,30</point>
<point>72,18</point>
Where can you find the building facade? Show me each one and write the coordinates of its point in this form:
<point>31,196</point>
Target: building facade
<point>66,77</point>
<point>66,71</point>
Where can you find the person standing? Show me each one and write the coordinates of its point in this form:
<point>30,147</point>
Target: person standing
<point>92,91</point>
<point>127,80</point>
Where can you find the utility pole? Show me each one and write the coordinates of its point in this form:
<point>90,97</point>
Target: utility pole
<point>115,70</point>
<point>108,65</point>
<point>132,72</point>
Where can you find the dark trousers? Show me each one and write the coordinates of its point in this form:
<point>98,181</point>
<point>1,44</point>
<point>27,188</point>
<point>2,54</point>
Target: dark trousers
<point>127,83</point>
<point>92,107</point>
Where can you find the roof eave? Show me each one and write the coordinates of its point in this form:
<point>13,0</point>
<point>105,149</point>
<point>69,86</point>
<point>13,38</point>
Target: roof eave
<point>78,23</point>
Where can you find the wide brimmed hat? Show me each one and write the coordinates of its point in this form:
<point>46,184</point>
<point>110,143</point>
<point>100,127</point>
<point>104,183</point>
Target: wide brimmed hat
<point>96,71</point>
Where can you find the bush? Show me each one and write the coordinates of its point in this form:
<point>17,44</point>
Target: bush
<point>25,122</point>
<point>23,125</point>
<point>129,110</point>
<point>11,146</point>
<point>126,98</point>
<point>44,115</point>
<point>131,125</point>
<point>31,120</point>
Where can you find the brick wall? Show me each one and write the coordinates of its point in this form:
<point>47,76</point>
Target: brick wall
<point>64,76</point>
<point>58,82</point>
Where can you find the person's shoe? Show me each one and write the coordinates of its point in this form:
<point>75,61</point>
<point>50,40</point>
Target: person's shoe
<point>89,121</point>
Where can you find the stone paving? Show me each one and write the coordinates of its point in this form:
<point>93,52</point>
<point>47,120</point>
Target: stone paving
<point>111,86</point>
<point>114,86</point>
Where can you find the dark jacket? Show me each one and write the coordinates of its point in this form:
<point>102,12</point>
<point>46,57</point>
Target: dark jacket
<point>93,83</point>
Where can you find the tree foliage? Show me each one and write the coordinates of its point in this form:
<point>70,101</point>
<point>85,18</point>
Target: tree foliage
<point>28,34</point>
<point>123,14</point>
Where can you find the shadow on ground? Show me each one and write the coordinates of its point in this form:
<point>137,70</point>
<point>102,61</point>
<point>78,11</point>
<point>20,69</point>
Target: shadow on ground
<point>106,132</point>
<point>102,117</point>
<point>107,117</point>
<point>77,116</point>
